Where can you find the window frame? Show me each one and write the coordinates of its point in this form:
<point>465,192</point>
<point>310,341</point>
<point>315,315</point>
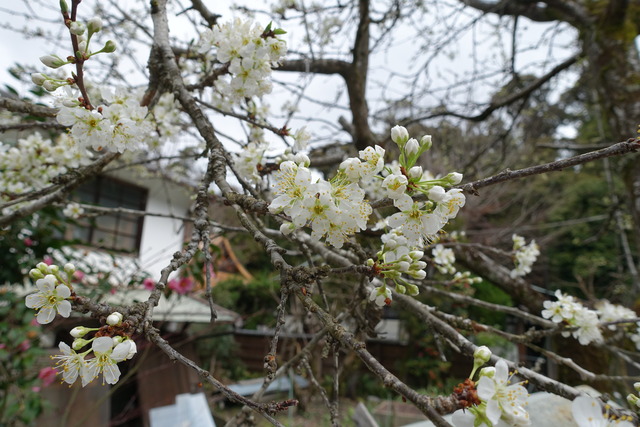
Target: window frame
<point>98,191</point>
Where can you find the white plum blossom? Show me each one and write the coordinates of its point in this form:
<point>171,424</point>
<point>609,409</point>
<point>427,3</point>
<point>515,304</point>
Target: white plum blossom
<point>505,401</point>
<point>444,258</point>
<point>107,357</point>
<point>71,364</point>
<point>587,412</point>
<point>119,124</point>
<point>608,312</point>
<point>380,295</point>
<point>73,210</point>
<point>251,53</point>
<point>566,309</point>
<point>50,299</point>
<point>524,256</point>
<point>248,159</point>
<point>34,153</point>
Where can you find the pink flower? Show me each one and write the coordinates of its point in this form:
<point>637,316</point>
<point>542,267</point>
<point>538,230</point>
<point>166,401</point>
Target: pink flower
<point>47,376</point>
<point>28,242</point>
<point>47,260</point>
<point>78,276</point>
<point>149,284</point>
<point>181,286</point>
<point>24,345</point>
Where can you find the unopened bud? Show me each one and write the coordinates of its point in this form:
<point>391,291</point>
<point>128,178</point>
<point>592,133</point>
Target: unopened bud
<point>78,343</point>
<point>482,355</point>
<point>636,386</point>
<point>454,178</point>
<point>52,61</point>
<point>109,46</point>
<point>53,269</point>
<point>77,28</point>
<point>633,400</point>
<point>43,267</point>
<point>94,25</point>
<point>489,372</point>
<point>415,172</point>
<point>412,147</point>
<point>51,85</point>
<point>38,78</point>
<point>114,318</point>
<point>69,268</point>
<point>36,274</point>
<point>400,289</point>
<point>80,331</point>
<point>399,135</point>
<point>425,142</point>
<point>63,6</point>
<point>412,289</point>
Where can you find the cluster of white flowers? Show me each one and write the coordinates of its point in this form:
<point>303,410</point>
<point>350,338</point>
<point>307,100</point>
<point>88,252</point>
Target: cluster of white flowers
<point>118,125</point>
<point>52,297</point>
<point>417,222</point>
<point>444,258</point>
<point>524,256</point>
<point>34,153</point>
<point>333,209</point>
<point>248,159</point>
<point>107,352</point>
<point>501,401</point>
<point>572,313</point>
<point>251,53</point>
<point>165,116</point>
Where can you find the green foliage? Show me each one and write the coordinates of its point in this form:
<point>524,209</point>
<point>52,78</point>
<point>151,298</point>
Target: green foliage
<point>488,292</point>
<point>25,242</point>
<point>219,352</point>
<point>20,402</point>
<point>255,300</point>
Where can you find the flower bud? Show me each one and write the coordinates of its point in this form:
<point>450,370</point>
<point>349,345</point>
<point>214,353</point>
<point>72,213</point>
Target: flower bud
<point>636,386</point>
<point>370,263</point>
<point>63,7</point>
<point>36,274</point>
<point>109,46</point>
<point>416,255</point>
<point>53,269</point>
<point>69,268</point>
<point>412,147</point>
<point>94,25</point>
<point>287,227</point>
<point>38,78</point>
<point>412,289</point>
<point>489,372</point>
<point>43,267</point>
<point>117,340</point>
<point>633,400</point>
<point>80,331</point>
<point>454,178</point>
<point>401,289</point>
<point>436,193</point>
<point>77,28</point>
<point>399,135</point>
<point>78,343</point>
<point>417,274</point>
<point>482,354</point>
<point>52,61</point>
<point>114,318</point>
<point>425,142</point>
<point>51,85</point>
<point>415,172</point>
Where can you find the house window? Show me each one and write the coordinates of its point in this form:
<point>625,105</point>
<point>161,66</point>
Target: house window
<point>115,231</point>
